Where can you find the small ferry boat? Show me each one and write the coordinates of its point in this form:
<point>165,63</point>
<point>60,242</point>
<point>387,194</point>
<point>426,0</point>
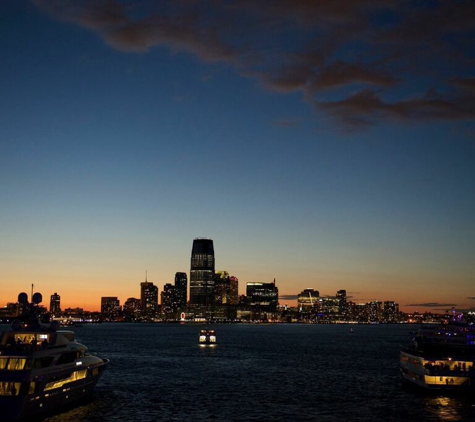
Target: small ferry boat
<point>441,357</point>
<point>207,337</point>
<point>42,368</point>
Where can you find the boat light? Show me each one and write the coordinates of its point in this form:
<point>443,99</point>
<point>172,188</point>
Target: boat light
<point>78,363</point>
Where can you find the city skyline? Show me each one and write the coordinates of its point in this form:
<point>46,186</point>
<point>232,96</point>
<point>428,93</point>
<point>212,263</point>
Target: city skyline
<point>325,145</point>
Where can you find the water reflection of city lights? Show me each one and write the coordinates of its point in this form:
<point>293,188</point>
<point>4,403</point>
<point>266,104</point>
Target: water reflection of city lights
<point>445,408</point>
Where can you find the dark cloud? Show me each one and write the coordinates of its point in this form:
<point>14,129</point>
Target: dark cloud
<point>288,297</point>
<point>433,305</point>
<point>367,106</point>
<point>353,59</point>
<point>187,30</point>
<point>471,297</point>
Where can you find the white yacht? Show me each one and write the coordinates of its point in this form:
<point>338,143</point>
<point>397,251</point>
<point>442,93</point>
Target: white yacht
<point>42,368</point>
<point>441,357</point>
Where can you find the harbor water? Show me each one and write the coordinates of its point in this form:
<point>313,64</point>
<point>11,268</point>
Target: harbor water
<point>282,372</point>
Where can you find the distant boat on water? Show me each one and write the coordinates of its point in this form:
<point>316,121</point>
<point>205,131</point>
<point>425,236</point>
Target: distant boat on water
<point>207,337</point>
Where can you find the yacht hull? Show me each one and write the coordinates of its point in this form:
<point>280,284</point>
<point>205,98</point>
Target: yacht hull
<point>23,407</point>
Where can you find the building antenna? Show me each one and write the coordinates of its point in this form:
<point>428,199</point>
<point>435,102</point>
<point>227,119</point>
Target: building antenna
<point>145,276</point>
<point>32,285</point>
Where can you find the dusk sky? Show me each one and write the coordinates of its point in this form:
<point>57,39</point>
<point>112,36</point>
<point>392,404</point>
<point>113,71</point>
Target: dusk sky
<point>326,144</point>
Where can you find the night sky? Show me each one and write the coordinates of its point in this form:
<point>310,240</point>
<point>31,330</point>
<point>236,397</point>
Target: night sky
<point>326,144</point>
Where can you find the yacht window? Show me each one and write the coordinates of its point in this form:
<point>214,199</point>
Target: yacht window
<point>9,388</point>
<point>15,364</point>
<point>31,389</point>
<point>77,375</point>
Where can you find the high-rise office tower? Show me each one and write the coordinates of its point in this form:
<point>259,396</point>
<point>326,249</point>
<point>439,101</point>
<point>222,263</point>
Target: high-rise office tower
<point>202,272</point>
<point>181,284</point>
<point>148,298</point>
<point>221,287</point>
<point>342,303</point>
<point>55,304</point>
<point>170,299</point>
<point>264,296</point>
<point>233,290</point>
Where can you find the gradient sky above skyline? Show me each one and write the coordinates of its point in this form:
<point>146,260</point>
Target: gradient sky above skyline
<point>324,144</point>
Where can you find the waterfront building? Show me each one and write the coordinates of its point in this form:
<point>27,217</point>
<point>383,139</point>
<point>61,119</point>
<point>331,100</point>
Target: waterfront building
<point>148,298</point>
<point>181,284</point>
<point>307,299</point>
<point>202,272</point>
<point>342,304</point>
<point>358,312</point>
<point>55,304</point>
<point>263,299</point>
<point>233,294</point>
<point>221,287</point>
<point>110,307</point>
<point>132,309</point>
<point>328,308</point>
<point>374,311</point>
<point>390,312</point>
<point>170,300</point>
<point>226,289</point>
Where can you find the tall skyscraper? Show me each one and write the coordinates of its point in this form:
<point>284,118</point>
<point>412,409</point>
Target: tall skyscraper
<point>342,303</point>
<point>181,284</point>
<point>202,272</point>
<point>233,290</point>
<point>170,299</point>
<point>148,298</point>
<point>55,304</point>
<point>221,287</point>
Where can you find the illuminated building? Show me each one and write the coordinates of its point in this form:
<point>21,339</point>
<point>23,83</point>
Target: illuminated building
<point>170,299</point>
<point>226,289</point>
<point>328,308</point>
<point>390,312</point>
<point>233,291</point>
<point>148,298</point>
<point>263,299</point>
<point>181,284</point>
<point>202,272</point>
<point>110,307</point>
<point>221,285</point>
<point>307,299</point>
<point>342,304</point>
<point>374,311</point>
<point>55,304</point>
